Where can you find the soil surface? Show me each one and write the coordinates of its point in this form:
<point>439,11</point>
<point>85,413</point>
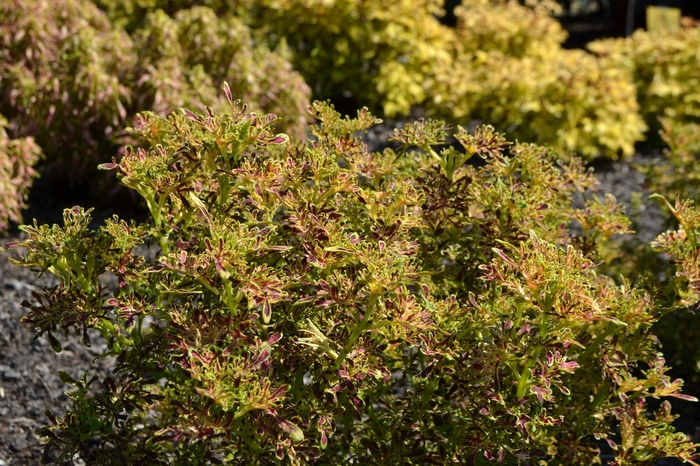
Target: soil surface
<point>29,382</point>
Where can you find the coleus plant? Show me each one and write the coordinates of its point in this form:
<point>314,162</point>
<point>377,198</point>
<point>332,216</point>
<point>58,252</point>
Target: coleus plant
<point>17,160</point>
<point>317,303</point>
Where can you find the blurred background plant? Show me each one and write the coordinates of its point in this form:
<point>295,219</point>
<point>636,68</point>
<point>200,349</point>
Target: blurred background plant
<point>664,66</point>
<point>73,81</point>
<point>17,160</point>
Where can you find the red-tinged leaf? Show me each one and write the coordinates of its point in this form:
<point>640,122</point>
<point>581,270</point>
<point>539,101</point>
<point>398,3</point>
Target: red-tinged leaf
<point>278,393</point>
<point>227,92</point>
<point>382,245</point>
<point>425,289</point>
<point>279,453</point>
<point>109,384</point>
<point>565,390</point>
<point>107,166</point>
<point>343,373</point>
<point>113,302</point>
<point>684,397</point>
<point>274,338</point>
<point>324,441</point>
<point>266,312</point>
<point>207,242</point>
<point>484,411</point>
<point>569,366</point>
<point>503,256</point>
<point>279,139</point>
<point>540,392</point>
<point>51,417</point>
<point>308,299</point>
<point>612,444</point>
<point>183,257</point>
<point>192,115</point>
<point>261,357</point>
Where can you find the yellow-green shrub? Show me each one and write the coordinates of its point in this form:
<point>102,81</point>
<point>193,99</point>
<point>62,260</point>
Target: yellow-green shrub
<point>508,27</point>
<point>383,54</point>
<point>665,66</point>
<point>506,73</point>
<point>62,75</point>
<point>17,157</point>
<point>394,54</point>
<point>678,173</point>
<point>296,281</point>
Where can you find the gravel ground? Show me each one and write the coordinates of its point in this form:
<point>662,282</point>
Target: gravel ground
<point>29,382</point>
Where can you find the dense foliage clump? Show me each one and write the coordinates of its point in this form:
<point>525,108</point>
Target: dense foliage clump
<point>316,303</point>
<point>181,58</point>
<point>664,65</point>
<point>512,72</point>
<point>17,159</point>
<point>73,81</point>
<point>63,74</point>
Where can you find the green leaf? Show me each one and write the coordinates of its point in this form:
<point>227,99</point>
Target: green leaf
<point>67,379</point>
<point>55,344</point>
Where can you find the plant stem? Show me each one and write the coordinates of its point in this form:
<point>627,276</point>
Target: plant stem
<point>361,326</point>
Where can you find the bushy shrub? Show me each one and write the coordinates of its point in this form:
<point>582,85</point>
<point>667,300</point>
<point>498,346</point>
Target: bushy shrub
<point>182,58</point>
<point>316,303</point>
<point>512,72</point>
<point>72,81</point>
<point>63,74</point>
<point>665,69</point>
<point>382,54</point>
<point>503,63</point>
<point>17,158</point>
<point>507,27</point>
<point>677,174</point>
